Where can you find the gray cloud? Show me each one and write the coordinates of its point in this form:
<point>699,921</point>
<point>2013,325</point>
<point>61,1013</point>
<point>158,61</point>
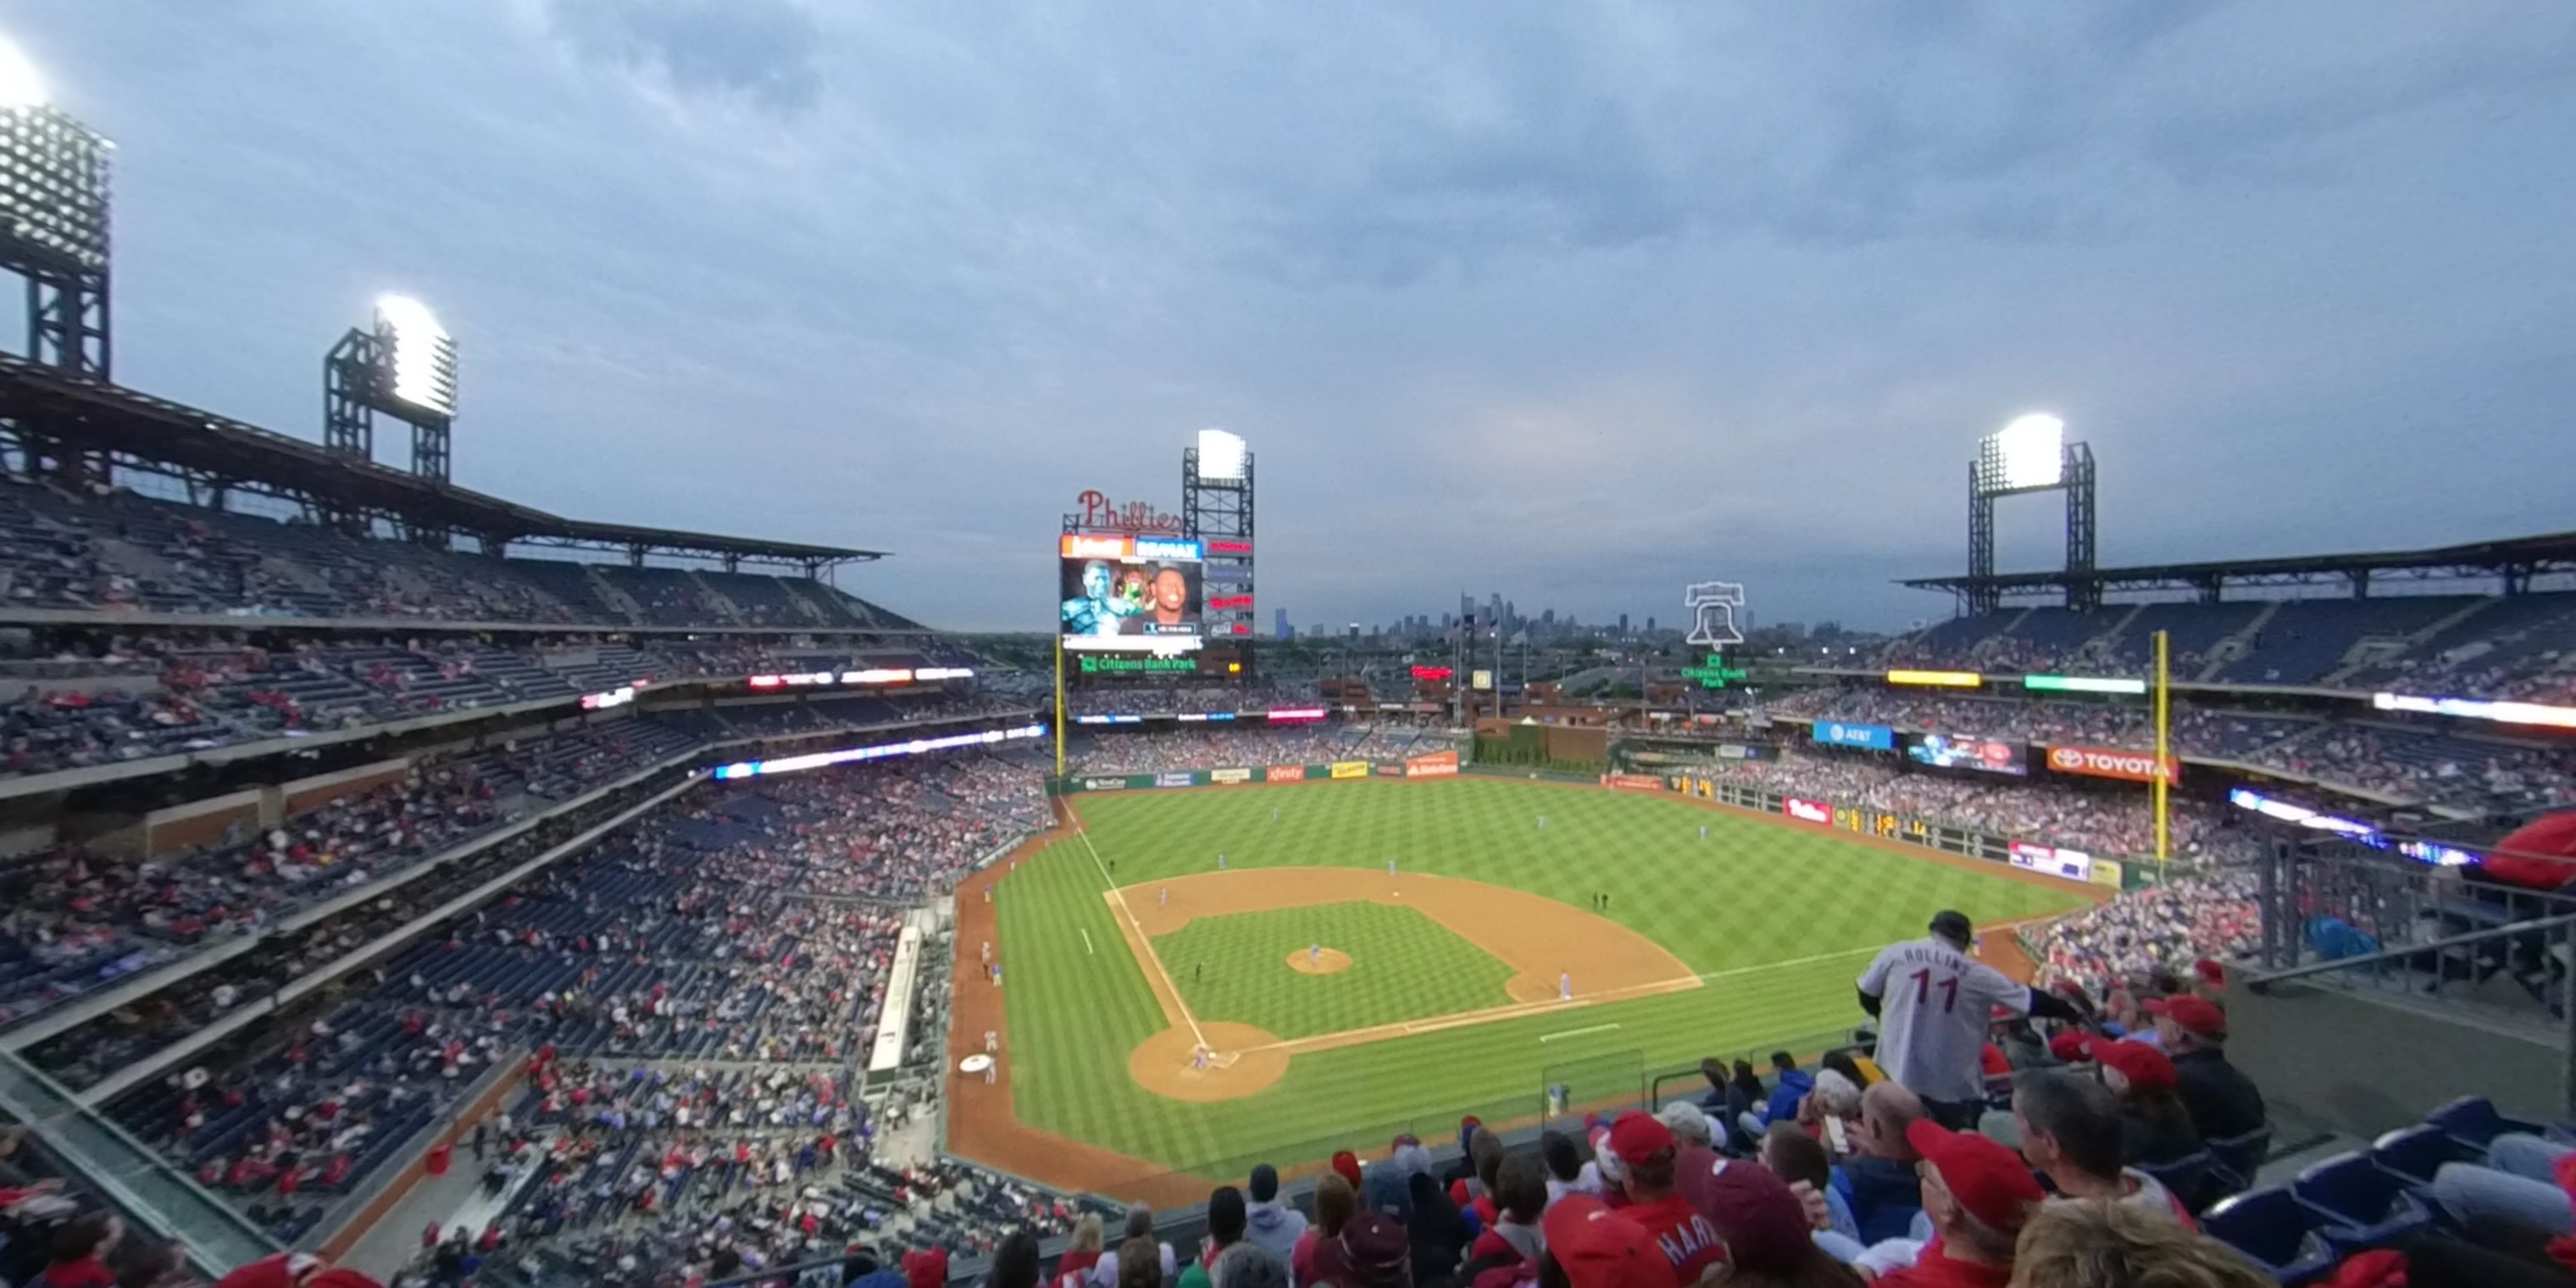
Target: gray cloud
<point>1577,301</point>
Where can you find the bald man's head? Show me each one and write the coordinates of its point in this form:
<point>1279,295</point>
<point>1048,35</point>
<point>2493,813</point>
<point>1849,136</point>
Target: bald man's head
<point>1886,1110</point>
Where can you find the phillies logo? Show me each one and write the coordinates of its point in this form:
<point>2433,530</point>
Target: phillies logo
<point>1098,511</point>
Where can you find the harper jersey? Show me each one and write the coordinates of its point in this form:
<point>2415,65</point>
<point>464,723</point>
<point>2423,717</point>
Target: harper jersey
<point>1935,1003</point>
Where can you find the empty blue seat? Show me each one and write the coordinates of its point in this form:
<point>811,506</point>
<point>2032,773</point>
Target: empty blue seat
<point>2274,1231</point>
<point>2188,1178</point>
<point>2363,1204</point>
<point>2235,1159</point>
<point>2413,1154</point>
<point>2475,1121</point>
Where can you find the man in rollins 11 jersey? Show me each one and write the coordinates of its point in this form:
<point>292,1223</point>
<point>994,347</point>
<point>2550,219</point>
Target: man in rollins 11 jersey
<point>1933,1002</point>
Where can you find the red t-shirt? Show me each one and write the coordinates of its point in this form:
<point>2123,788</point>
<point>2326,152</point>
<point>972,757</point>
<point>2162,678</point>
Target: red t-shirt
<point>88,1272</point>
<point>1932,1270</point>
<point>1686,1238</point>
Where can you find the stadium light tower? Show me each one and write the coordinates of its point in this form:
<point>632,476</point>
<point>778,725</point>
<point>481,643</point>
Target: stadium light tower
<point>402,365</point>
<point>53,220</point>
<point>2031,455</point>
<point>1216,507</point>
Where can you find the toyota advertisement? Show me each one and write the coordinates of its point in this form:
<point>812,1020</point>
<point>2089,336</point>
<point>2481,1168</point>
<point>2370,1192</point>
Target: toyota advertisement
<point>2106,762</point>
<point>1835,733</point>
<point>1958,751</point>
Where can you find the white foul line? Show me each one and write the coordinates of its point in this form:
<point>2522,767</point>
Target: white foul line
<point>1196,1034</point>
<point>1086,941</point>
<point>1576,1033</point>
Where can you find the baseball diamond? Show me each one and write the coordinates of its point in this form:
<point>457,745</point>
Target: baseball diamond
<point>1163,1019</point>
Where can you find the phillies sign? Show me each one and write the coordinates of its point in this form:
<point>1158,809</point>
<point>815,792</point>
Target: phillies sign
<point>1098,511</point>
<point>2105,762</point>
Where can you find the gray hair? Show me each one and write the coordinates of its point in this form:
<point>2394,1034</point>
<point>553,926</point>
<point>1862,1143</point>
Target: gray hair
<point>1246,1264</point>
<point>1688,1121</point>
<point>1837,1094</point>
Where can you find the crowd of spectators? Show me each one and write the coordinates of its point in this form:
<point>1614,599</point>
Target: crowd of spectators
<point>2106,823</point>
<point>119,552</point>
<point>727,954</point>
<point>2164,930</point>
<point>1202,747</point>
<point>131,697</point>
<point>2412,765</point>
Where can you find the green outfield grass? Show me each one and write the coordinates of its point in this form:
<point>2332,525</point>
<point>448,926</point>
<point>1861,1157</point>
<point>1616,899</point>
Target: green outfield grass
<point>1404,966</point>
<point>1778,919</point>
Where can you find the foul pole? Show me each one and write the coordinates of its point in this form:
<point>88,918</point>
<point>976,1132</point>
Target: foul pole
<point>1059,706</point>
<point>2164,743</point>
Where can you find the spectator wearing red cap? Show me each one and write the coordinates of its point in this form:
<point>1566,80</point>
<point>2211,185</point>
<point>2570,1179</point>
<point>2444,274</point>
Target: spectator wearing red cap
<point>2154,1127</point>
<point>1763,1224</point>
<point>1594,1247</point>
<point>2221,1100</point>
<point>1375,1252</point>
<point>1978,1195</point>
<point>1650,1157</point>
<point>2069,1128</point>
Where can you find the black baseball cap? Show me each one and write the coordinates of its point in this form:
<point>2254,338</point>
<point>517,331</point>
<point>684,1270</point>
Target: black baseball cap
<point>1949,923</point>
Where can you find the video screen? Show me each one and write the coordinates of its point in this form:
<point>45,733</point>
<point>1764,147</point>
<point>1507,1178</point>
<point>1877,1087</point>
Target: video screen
<point>1129,594</point>
<point>1959,751</point>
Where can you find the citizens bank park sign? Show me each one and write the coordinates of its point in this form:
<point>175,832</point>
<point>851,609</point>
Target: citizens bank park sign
<point>2105,762</point>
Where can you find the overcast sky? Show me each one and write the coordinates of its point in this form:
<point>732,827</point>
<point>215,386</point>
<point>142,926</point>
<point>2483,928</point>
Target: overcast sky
<point>1577,301</point>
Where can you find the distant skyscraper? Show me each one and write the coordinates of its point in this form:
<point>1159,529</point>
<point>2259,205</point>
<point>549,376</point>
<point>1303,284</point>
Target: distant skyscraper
<point>1355,630</point>
<point>1623,623</point>
<point>1650,626</point>
<point>1279,624</point>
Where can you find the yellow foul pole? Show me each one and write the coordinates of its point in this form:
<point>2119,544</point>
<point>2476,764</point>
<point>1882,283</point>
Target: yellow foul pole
<point>1059,706</point>
<point>2164,743</point>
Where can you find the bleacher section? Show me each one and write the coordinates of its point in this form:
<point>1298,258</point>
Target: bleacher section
<point>124,552</point>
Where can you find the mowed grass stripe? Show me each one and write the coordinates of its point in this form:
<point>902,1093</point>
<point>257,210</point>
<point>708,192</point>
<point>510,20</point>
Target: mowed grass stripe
<point>1751,895</point>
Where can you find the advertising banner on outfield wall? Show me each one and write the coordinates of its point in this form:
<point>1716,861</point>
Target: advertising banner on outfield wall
<point>2106,872</point>
<point>1350,769</point>
<point>1633,782</point>
<point>1439,764</point>
<point>2074,865</point>
<point>1806,810</point>
<point>1229,775</point>
<point>1835,733</point>
<point>2107,762</point>
<point>1176,780</point>
<point>1103,784</point>
<point>1284,774</point>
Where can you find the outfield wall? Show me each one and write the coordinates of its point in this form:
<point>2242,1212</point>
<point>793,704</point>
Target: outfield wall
<point>1441,764</point>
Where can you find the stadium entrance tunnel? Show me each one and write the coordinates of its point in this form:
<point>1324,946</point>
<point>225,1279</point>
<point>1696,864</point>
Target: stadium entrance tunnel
<point>1560,956</point>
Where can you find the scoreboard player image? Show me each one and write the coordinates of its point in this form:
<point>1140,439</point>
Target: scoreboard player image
<point>1129,598</point>
<point>1951,751</point>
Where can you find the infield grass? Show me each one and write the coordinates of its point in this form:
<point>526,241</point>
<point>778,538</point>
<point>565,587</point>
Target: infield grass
<point>1404,966</point>
<point>1777,919</point>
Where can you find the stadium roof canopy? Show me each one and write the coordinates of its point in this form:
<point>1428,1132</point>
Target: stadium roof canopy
<point>212,454</point>
<point>2514,562</point>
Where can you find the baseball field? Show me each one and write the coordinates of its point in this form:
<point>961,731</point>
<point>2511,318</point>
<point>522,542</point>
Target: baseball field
<point>1160,1014</point>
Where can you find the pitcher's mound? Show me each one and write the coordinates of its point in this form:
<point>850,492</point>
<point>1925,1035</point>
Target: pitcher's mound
<point>1165,1065</point>
<point>1333,961</point>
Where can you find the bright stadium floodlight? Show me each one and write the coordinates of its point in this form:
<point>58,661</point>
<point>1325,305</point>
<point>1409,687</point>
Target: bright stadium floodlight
<point>2028,453</point>
<point>1221,456</point>
<point>420,359</point>
<point>21,85</point>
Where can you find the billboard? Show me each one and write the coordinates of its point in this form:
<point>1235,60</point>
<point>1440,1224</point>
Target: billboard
<point>1807,811</point>
<point>2106,762</point>
<point>1959,751</point>
<point>2074,865</point>
<point>1439,764</point>
<point>1284,774</point>
<point>1129,593</point>
<point>1835,733</point>
<point>1350,769</point>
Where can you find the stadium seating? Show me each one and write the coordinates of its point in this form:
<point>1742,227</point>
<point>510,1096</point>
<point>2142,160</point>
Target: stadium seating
<point>125,552</point>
